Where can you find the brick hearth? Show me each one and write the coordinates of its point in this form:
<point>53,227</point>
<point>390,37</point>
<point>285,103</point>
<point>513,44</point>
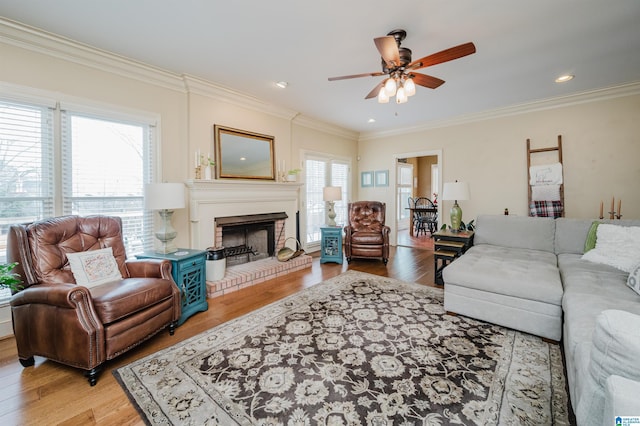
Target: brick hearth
<point>241,276</point>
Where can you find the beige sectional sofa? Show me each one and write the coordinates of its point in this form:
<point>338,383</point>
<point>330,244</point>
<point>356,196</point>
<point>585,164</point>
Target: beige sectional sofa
<point>528,274</point>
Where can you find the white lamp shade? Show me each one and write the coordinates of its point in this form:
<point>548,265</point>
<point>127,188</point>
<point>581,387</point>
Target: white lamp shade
<point>455,191</point>
<point>164,196</point>
<point>332,193</point>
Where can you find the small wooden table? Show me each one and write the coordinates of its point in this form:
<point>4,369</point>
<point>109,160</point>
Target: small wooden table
<point>448,246</point>
<point>413,210</point>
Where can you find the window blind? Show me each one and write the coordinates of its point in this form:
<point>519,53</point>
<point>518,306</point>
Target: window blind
<point>26,167</point>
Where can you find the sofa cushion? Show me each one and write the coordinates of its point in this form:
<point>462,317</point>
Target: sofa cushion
<point>523,273</point>
<point>364,237</point>
<point>535,233</point>
<point>590,288</point>
<point>116,300</point>
<point>571,234</point>
<point>616,344</point>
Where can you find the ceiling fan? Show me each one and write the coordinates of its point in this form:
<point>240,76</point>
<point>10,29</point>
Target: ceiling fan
<point>398,66</point>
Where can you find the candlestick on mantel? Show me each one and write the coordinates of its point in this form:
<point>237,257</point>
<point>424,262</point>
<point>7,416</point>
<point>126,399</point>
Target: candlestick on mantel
<point>619,208</point>
<point>601,210</point>
<point>612,212</point>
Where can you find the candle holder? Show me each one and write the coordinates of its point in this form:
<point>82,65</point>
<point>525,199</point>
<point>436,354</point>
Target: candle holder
<point>618,216</point>
<point>612,215</point>
<point>282,176</point>
<point>199,172</point>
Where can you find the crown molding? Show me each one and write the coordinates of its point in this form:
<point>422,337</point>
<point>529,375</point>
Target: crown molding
<point>206,88</point>
<point>322,126</point>
<point>37,40</point>
<point>629,89</point>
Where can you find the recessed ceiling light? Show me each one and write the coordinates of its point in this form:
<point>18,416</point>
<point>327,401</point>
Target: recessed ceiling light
<point>282,84</point>
<point>564,78</point>
<point>371,120</point>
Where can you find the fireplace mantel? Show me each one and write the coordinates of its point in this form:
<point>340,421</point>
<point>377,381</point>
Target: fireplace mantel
<point>209,199</point>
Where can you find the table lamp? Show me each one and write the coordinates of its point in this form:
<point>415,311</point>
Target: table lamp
<point>455,191</point>
<point>331,194</point>
<point>165,197</point>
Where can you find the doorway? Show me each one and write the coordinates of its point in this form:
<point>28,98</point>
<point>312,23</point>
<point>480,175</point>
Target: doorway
<point>417,175</point>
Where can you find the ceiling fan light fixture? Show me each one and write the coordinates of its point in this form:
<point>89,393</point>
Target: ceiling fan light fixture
<point>401,96</point>
<point>390,87</point>
<point>383,98</point>
<point>409,87</point>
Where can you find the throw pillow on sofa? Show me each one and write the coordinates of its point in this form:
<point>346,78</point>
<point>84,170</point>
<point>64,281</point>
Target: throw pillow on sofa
<point>590,243</point>
<point>617,246</point>
<point>633,280</point>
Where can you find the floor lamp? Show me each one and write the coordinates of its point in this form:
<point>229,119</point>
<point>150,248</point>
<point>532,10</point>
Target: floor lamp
<point>455,191</point>
<point>165,198</point>
<point>331,194</point>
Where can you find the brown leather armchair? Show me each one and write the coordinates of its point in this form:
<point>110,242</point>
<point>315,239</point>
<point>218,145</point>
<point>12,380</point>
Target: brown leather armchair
<point>82,327</point>
<point>366,235</point>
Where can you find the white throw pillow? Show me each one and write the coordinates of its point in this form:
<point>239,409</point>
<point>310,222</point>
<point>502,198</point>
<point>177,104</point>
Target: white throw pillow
<point>634,278</point>
<point>617,246</point>
<point>94,267</point>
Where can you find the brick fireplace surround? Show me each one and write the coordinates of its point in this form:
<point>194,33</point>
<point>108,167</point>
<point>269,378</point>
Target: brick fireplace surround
<point>222,198</point>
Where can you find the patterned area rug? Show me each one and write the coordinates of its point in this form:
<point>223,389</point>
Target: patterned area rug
<point>358,349</point>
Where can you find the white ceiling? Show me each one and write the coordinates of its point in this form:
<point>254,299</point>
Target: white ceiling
<point>247,46</point>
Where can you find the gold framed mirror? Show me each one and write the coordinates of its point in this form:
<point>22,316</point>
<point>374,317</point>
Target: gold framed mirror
<point>243,155</point>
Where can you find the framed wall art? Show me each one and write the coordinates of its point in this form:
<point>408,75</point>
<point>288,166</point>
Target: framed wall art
<point>382,178</point>
<point>366,179</point>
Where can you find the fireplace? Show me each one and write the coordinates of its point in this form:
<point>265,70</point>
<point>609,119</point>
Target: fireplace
<point>247,238</point>
<point>215,201</point>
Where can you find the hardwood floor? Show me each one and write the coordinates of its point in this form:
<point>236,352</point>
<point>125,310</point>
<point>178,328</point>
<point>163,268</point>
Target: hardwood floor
<point>53,394</point>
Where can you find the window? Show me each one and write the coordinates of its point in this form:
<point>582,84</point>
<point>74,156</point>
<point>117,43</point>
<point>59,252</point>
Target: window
<point>102,167</point>
<point>107,181</point>
<point>319,172</point>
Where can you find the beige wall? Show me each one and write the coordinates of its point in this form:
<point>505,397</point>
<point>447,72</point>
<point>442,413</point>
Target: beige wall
<point>601,148</point>
<point>186,115</point>
<point>424,175</point>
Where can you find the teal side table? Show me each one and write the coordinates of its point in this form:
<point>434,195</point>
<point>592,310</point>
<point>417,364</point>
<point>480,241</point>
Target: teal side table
<point>189,273</point>
<point>331,244</point>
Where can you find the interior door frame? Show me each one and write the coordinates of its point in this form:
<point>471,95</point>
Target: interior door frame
<point>433,152</point>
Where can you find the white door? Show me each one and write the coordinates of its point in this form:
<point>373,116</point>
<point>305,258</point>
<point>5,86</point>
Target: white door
<point>404,187</point>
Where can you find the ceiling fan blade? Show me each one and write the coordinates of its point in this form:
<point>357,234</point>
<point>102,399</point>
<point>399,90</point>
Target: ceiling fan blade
<point>374,92</point>
<point>426,80</point>
<point>368,74</point>
<point>388,49</point>
<point>443,56</point>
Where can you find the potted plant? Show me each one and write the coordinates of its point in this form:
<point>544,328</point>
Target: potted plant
<point>292,175</point>
<point>9,279</point>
